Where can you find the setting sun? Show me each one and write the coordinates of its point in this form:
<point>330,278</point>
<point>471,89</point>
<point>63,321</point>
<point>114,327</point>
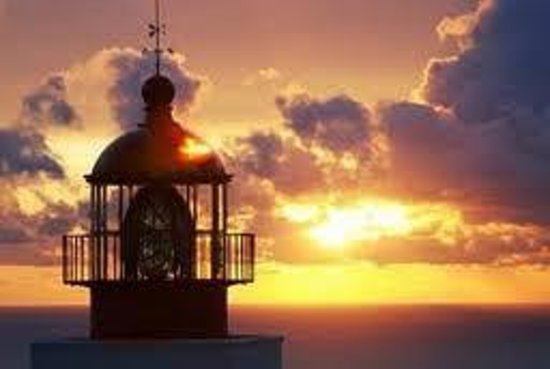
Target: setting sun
<point>334,226</point>
<point>369,222</point>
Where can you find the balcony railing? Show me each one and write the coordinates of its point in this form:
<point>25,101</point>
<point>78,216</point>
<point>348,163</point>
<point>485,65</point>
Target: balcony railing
<point>99,258</point>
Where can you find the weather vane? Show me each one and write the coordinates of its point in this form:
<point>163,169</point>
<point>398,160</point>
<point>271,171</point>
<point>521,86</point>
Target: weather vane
<point>156,30</point>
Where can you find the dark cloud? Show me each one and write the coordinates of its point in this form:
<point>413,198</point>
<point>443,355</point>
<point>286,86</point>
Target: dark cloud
<point>423,144</point>
<point>481,139</point>
<point>306,157</point>
<point>503,76</point>
<point>261,153</point>
<point>326,145</point>
<point>32,238</point>
<point>24,152</point>
<point>485,126</point>
<point>491,243</point>
<point>13,235</point>
<point>47,104</point>
<point>268,156</point>
<point>132,69</point>
<point>504,69</point>
<point>337,123</point>
<point>60,219</point>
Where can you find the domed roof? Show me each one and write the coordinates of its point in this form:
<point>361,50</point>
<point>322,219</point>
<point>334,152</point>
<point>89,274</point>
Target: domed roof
<point>158,90</point>
<point>160,149</point>
<point>171,154</point>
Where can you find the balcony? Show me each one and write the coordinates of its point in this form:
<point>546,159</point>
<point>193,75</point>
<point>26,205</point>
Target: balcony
<point>91,259</point>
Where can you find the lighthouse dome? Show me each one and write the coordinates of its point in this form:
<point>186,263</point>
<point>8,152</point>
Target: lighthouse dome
<point>159,149</point>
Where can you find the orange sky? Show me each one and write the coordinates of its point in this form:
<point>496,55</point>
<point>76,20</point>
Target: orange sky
<point>249,52</point>
<point>338,284</point>
<point>327,45</point>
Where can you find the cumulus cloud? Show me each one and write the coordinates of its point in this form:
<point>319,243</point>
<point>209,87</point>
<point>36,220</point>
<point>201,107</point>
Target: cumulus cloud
<point>504,73</point>
<point>324,148</point>
<point>486,108</point>
<point>325,145</point>
<point>479,135</point>
<point>338,123</point>
<point>478,138</point>
<point>260,153</point>
<point>23,144</point>
<point>47,104</point>
<point>96,98</point>
<point>290,168</point>
<point>33,221</point>
<point>24,152</point>
<point>490,243</point>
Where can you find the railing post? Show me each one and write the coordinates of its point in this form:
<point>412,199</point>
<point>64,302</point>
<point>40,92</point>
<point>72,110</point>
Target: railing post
<point>64,258</point>
<point>215,237</point>
<point>252,257</point>
<point>71,260</point>
<point>104,225</point>
<point>226,242</point>
<point>81,254</point>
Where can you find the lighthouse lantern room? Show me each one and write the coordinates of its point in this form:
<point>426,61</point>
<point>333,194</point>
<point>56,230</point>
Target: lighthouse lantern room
<point>159,255</point>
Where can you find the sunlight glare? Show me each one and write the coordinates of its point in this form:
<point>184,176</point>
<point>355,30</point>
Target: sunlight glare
<point>369,222</point>
<point>194,149</point>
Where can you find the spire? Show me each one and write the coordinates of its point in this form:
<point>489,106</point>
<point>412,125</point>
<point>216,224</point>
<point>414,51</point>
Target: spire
<point>158,91</point>
<point>156,31</point>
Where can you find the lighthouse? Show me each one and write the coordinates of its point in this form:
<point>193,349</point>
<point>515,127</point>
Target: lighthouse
<point>159,255</point>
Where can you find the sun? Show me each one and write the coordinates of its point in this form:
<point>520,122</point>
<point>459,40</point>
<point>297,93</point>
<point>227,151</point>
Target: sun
<point>334,226</point>
<point>367,222</point>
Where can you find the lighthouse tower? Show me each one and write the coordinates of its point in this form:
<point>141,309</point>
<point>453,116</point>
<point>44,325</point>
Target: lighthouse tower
<point>159,256</point>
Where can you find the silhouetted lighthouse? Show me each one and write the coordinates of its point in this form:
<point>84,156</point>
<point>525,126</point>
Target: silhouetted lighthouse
<point>159,256</point>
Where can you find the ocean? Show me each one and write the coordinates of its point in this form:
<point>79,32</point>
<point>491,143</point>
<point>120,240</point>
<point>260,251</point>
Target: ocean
<point>374,337</point>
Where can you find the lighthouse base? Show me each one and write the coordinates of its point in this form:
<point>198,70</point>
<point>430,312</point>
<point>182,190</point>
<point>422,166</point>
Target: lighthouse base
<point>231,353</point>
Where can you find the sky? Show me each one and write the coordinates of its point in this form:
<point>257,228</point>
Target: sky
<point>384,151</point>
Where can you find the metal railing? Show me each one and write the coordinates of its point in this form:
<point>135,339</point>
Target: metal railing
<point>100,258</point>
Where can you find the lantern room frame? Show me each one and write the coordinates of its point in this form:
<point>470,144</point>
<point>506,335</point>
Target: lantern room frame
<point>219,257</point>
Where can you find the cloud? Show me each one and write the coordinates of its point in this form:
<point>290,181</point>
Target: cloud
<point>339,123</point>
<point>485,112</point>
<point>47,104</point>
<point>264,75</point>
<point>261,153</point>
<point>477,138</point>
<point>503,74</point>
<point>422,143</point>
<point>95,97</point>
<point>291,169</point>
<point>11,235</point>
<point>31,235</point>
<point>324,145</point>
<point>324,148</point>
<point>24,152</point>
<point>490,243</point>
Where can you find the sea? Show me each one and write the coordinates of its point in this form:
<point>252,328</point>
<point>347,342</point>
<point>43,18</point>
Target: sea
<point>372,337</point>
